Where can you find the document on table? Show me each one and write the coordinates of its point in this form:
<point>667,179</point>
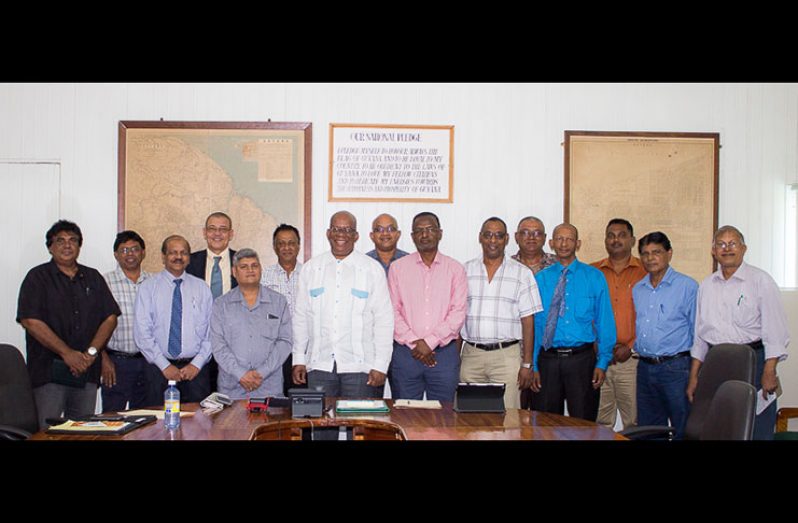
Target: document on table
<point>417,404</point>
<point>157,413</point>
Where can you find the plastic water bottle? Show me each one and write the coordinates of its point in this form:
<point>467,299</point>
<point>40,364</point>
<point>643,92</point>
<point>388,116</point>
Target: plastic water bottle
<point>171,406</point>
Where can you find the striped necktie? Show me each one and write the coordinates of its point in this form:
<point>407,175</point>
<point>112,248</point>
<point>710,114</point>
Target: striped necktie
<point>176,323</point>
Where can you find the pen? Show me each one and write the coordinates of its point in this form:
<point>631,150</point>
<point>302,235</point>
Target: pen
<point>740,299</point>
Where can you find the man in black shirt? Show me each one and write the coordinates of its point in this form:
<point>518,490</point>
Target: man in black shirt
<point>68,314</point>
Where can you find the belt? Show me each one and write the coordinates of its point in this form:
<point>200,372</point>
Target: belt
<point>126,355</point>
<point>494,346</point>
<point>568,351</point>
<point>756,345</point>
<point>656,360</point>
<point>181,361</point>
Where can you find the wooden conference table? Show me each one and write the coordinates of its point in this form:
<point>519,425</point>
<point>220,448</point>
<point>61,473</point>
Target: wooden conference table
<point>236,423</point>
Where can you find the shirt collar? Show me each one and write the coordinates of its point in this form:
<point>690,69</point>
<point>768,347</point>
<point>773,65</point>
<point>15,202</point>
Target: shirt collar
<point>633,262</point>
<point>741,273</point>
<point>143,275</point>
<point>436,261</point>
<point>225,255</point>
<point>170,277</point>
<point>670,275</point>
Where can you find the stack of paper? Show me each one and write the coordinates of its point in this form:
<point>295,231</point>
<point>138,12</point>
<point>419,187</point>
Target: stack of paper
<point>417,404</point>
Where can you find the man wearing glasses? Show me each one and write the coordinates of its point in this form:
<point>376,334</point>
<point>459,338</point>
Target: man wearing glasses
<point>428,291</point>
<point>343,319</point>
<point>740,303</point>
<point>531,237</point>
<point>385,234</point>
<point>499,327</point>
<point>214,266</point>
<point>68,315</point>
<point>123,365</point>
<point>577,314</point>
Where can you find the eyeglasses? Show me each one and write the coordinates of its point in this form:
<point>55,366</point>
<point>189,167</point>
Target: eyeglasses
<point>488,235</point>
<point>212,229</point>
<point>74,240</point>
<point>349,231</point>
<point>526,233</point>
<point>732,245</point>
<point>289,243</point>
<point>129,250</point>
<point>380,229</point>
<point>428,230</point>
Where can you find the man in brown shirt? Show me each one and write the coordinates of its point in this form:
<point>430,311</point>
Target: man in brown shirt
<point>622,271</point>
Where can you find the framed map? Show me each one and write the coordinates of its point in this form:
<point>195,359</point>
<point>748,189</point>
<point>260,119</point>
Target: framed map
<point>664,182</point>
<point>172,175</point>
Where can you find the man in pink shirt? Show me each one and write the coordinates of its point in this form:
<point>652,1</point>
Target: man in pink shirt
<point>428,291</point>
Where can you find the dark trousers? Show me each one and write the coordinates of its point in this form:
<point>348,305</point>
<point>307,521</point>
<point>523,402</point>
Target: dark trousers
<point>344,385</point>
<point>411,378</point>
<point>765,423</point>
<point>192,391</point>
<point>567,378</point>
<point>130,384</point>
<point>661,393</point>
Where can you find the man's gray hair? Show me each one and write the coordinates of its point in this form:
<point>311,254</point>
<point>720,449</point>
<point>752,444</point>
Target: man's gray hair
<point>728,228</point>
<point>245,253</point>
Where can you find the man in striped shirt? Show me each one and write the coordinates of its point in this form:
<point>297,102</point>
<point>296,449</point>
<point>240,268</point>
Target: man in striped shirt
<point>122,363</point>
<point>499,328</point>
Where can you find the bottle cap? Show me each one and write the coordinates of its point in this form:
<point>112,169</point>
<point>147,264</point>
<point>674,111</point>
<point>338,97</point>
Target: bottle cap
<point>172,382</point>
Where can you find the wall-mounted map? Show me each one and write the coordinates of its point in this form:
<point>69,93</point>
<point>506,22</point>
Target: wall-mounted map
<point>172,175</point>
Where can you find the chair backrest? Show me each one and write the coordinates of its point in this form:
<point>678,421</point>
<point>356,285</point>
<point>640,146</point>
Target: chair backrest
<point>17,407</point>
<point>723,362</point>
<point>298,429</point>
<point>731,413</point>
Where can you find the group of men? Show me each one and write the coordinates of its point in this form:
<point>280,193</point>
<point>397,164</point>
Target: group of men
<point>624,334</point>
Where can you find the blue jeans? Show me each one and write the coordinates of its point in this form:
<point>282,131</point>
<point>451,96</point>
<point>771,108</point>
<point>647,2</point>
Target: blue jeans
<point>411,378</point>
<point>765,423</point>
<point>661,393</point>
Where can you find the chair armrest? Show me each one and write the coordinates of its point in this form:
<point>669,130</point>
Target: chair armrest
<point>649,432</point>
<point>783,417</point>
<point>8,432</point>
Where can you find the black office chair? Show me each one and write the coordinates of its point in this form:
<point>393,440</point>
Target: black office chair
<point>731,413</point>
<point>723,362</point>
<point>18,416</point>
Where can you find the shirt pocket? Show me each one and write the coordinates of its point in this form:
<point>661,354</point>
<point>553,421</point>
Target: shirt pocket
<point>745,313</point>
<point>584,307</point>
<point>357,293</point>
<point>315,293</point>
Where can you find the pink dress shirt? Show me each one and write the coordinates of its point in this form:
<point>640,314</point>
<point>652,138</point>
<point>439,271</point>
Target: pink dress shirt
<point>429,303</point>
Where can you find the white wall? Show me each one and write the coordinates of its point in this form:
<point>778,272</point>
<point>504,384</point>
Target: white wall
<point>508,153</point>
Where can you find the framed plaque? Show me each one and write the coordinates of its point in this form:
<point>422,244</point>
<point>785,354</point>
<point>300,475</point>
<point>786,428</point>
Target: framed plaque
<point>396,163</point>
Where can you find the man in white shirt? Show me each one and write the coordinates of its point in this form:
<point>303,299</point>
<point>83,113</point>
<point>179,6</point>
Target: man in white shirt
<point>343,321</point>
<point>740,303</point>
<point>499,329</point>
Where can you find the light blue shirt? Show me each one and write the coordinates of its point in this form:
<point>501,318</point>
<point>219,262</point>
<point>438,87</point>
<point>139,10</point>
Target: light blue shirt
<point>153,315</point>
<point>665,315</point>
<point>245,339</point>
<point>588,311</point>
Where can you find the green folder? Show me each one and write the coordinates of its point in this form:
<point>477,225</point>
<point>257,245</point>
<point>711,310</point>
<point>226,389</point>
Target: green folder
<point>361,406</point>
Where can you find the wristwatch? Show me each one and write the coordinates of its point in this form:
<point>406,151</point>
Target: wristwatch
<point>92,351</point>
<point>526,365</point>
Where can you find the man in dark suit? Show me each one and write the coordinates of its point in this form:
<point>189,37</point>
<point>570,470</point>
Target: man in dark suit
<point>214,264</point>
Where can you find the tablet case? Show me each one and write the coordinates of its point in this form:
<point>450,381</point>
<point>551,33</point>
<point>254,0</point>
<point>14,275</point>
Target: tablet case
<point>479,397</point>
<point>131,423</point>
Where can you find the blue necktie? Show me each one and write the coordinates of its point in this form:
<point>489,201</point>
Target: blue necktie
<point>556,311</point>
<point>176,323</point>
<point>216,278</point>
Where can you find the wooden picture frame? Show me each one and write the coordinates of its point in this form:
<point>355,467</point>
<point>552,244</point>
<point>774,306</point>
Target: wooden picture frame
<point>172,175</point>
<point>391,163</point>
<point>658,181</point>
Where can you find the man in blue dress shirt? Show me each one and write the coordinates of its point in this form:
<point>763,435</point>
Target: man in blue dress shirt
<point>172,318</point>
<point>665,319</point>
<point>577,315</point>
<point>250,333</point>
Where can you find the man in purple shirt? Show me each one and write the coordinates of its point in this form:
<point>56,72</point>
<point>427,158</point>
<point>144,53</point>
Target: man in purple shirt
<point>429,292</point>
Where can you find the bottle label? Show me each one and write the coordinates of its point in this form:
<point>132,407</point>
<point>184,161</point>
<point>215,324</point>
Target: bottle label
<point>171,406</point>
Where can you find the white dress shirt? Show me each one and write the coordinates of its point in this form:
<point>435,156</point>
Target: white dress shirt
<point>225,264</point>
<point>343,315</point>
<point>747,307</point>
